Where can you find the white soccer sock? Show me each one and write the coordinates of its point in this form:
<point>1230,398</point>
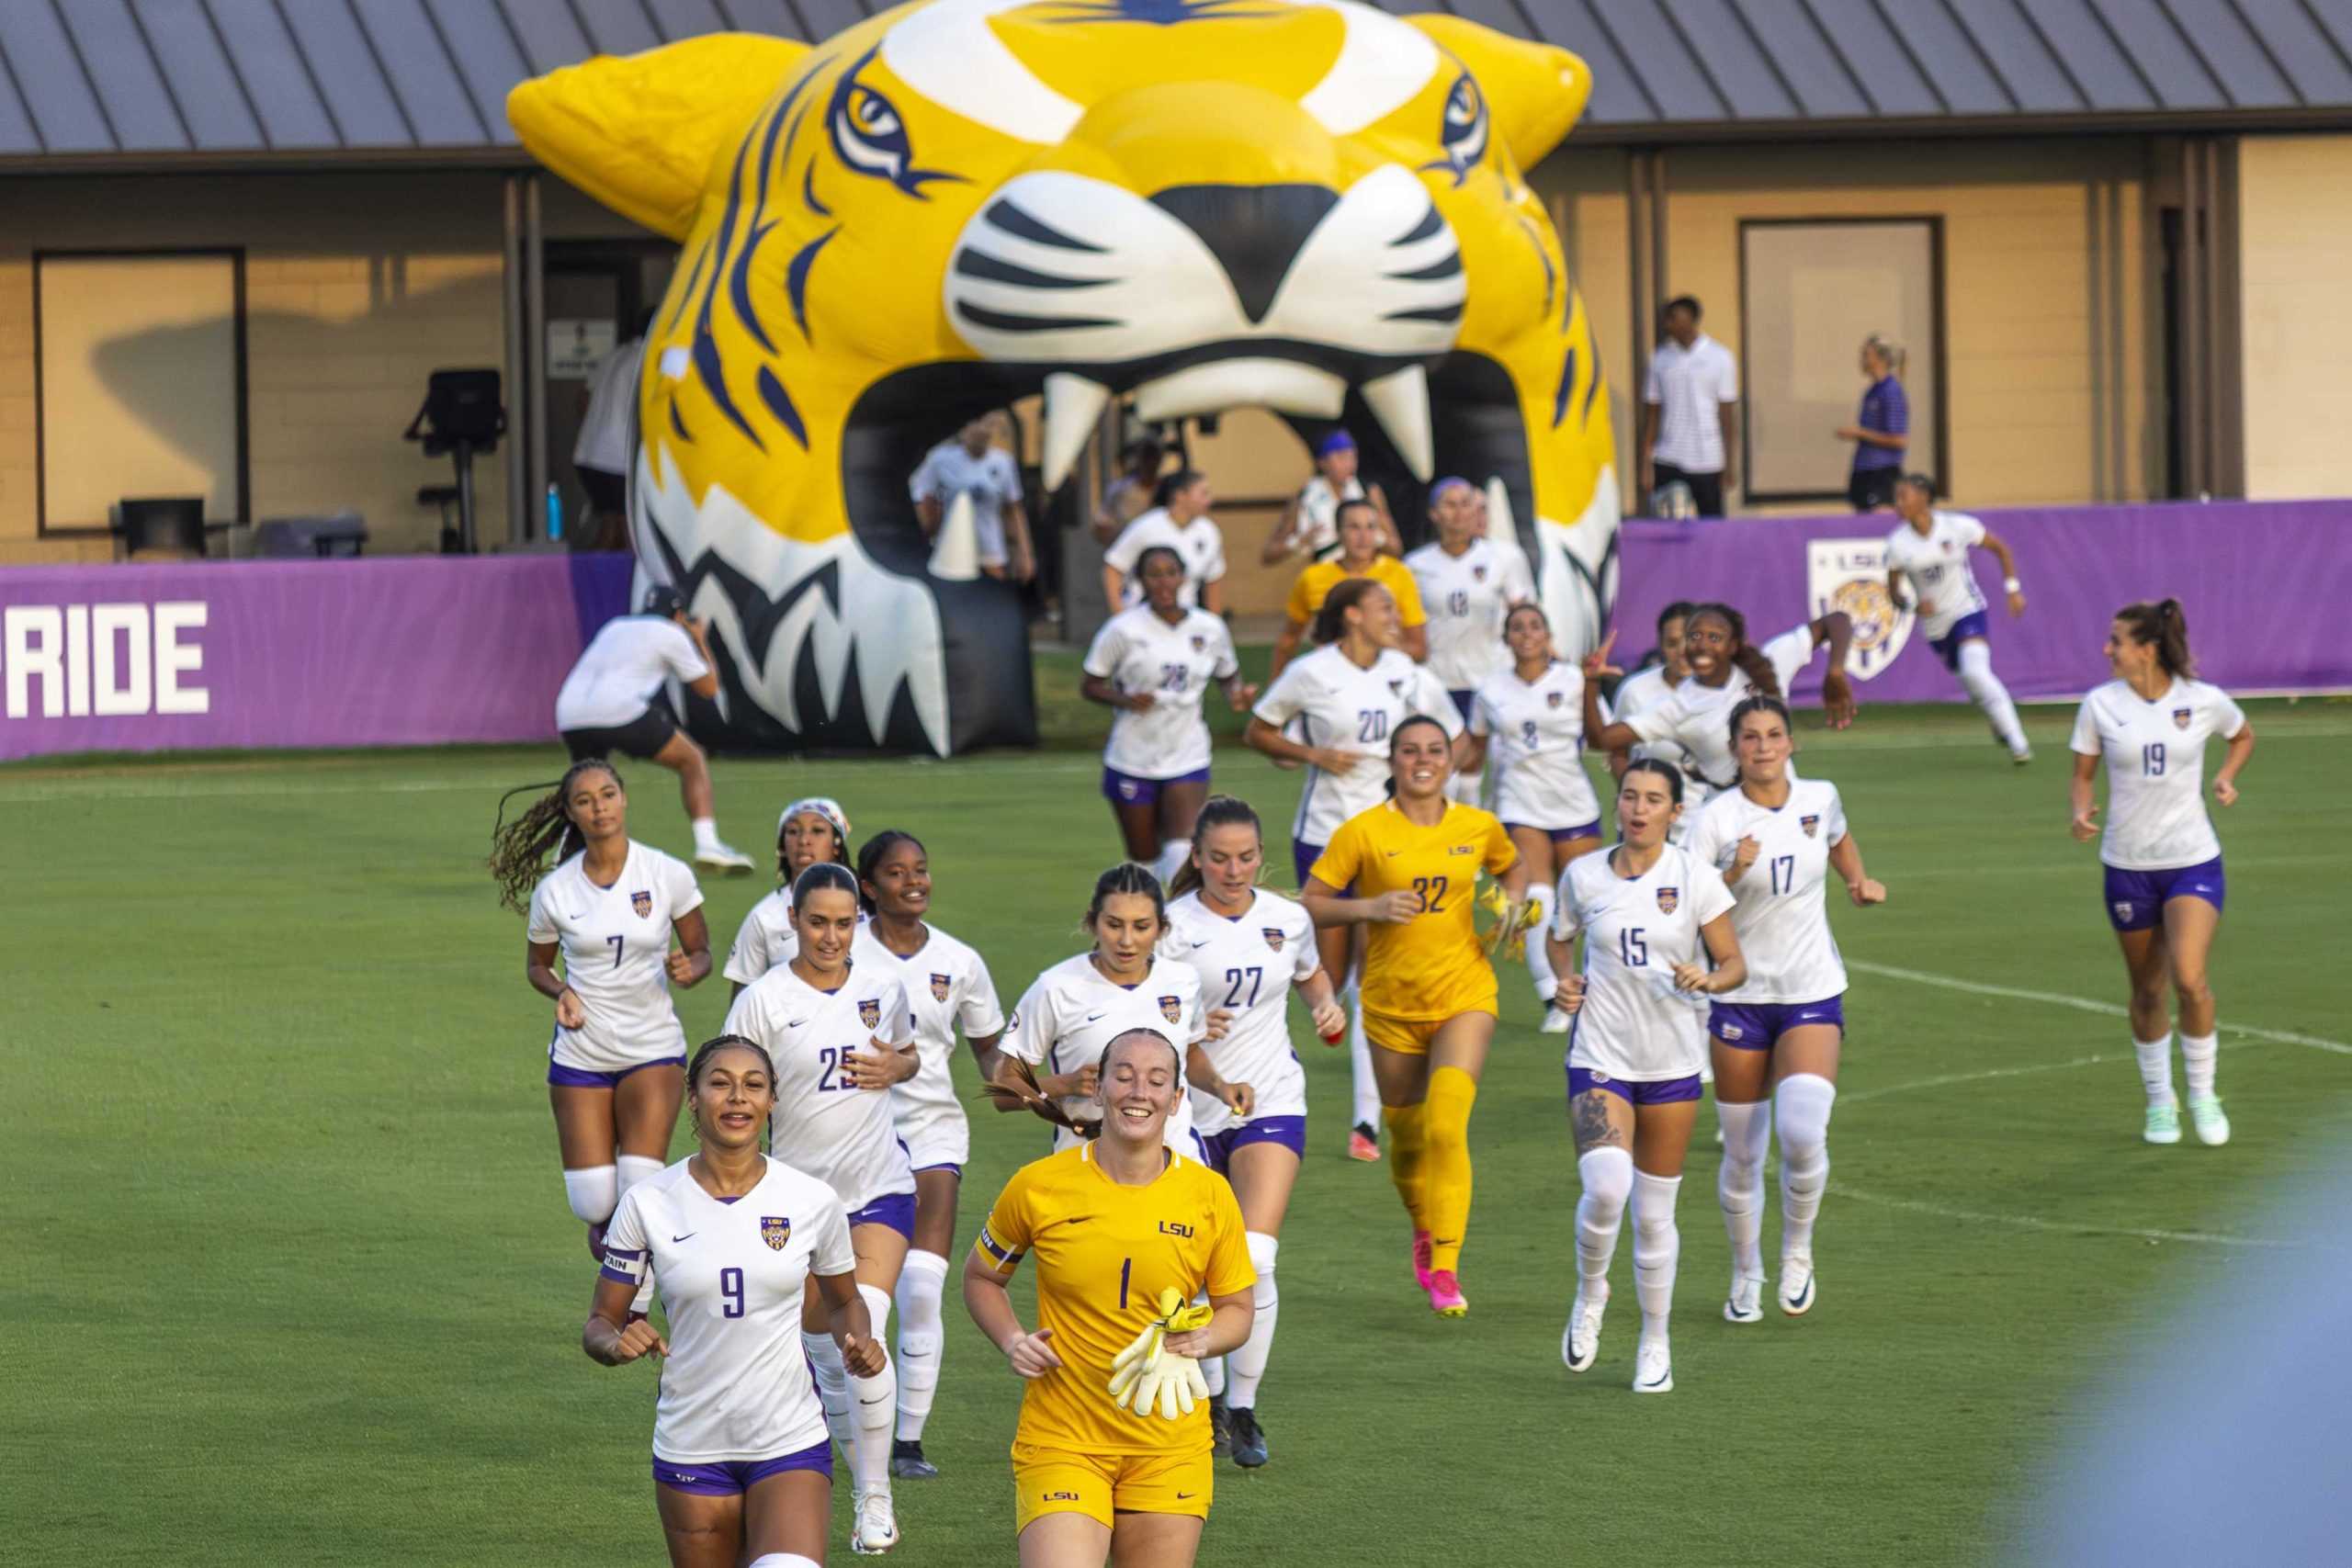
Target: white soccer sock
<point>1658,1247</point>
<point>1173,853</point>
<point>1800,1115</point>
<point>1739,1184</point>
<point>2155,1069</point>
<point>832,1383</point>
<point>1984,688</point>
<point>1608,1177</point>
<point>1367,1087</point>
<point>783,1560</point>
<point>631,1169</point>
<point>874,1408</point>
<point>2196,1054</point>
<point>1539,958</point>
<point>1246,1368</point>
<point>922,1339</point>
<point>707,833</point>
<point>593,1192</point>
<point>1465,787</point>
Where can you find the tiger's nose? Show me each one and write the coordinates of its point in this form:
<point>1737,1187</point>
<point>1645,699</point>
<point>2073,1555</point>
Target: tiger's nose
<point>1254,231</point>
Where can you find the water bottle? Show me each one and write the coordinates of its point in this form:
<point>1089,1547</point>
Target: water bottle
<point>555,512</point>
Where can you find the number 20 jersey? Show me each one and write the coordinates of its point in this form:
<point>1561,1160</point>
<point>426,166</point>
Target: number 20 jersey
<point>1344,706</point>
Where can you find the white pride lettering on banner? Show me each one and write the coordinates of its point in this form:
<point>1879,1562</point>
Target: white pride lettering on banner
<point>103,660</point>
<point>1850,575</point>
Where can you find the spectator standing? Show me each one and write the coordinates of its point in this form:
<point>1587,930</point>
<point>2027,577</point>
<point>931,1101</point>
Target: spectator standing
<point>606,449</point>
<point>1690,410</point>
<point>973,465</point>
<point>1128,497</point>
<point>1884,430</point>
<point>1310,523</point>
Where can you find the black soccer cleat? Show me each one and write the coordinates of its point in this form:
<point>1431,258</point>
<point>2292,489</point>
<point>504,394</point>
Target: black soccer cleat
<point>907,1463</point>
<point>1220,1427</point>
<point>1249,1439</point>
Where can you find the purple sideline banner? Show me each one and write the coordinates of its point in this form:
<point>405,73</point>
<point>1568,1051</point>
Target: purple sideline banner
<point>2264,584</point>
<point>196,655</point>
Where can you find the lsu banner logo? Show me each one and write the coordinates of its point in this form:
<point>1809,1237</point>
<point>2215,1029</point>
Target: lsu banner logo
<point>643,903</point>
<point>2180,717</point>
<point>1850,575</point>
<point>1669,900</point>
<point>1273,936</point>
<point>869,1013</point>
<point>1171,1008</point>
<point>775,1230</point>
<point>939,984</point>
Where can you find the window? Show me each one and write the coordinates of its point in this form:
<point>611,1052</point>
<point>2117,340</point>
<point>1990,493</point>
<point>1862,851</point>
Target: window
<point>138,382</point>
<point>1811,291</point>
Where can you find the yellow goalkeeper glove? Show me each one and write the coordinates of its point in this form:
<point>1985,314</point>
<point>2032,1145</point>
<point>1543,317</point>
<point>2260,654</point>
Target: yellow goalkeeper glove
<point>1515,918</point>
<point>1146,1374</point>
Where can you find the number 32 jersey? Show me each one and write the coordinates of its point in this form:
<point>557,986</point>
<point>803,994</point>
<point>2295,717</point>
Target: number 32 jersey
<point>1633,1024</point>
<point>842,1136</point>
<point>1429,968</point>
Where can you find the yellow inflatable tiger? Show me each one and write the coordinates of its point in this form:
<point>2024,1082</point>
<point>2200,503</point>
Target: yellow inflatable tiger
<point>1315,207</point>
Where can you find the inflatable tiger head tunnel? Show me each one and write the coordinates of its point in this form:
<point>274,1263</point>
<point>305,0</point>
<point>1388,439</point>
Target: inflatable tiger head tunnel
<point>1314,208</point>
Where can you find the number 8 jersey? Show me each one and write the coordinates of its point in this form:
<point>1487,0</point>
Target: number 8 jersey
<point>1349,709</point>
<point>842,1136</point>
<point>1633,1024</point>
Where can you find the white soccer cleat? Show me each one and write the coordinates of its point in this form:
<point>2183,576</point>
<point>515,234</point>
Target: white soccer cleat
<point>718,857</point>
<point>1745,1302</point>
<point>2163,1125</point>
<point>1581,1341</point>
<point>1654,1366</point>
<point>1797,1293</point>
<point>1555,1021</point>
<point>2205,1115</point>
<point>877,1530</point>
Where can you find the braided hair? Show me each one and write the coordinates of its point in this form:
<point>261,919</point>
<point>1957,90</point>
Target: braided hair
<point>1746,654</point>
<point>520,850</point>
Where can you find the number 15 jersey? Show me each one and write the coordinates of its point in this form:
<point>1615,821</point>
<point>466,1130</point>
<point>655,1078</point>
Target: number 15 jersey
<point>1633,1024</point>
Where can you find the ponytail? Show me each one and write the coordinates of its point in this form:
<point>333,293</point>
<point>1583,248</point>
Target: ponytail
<point>520,850</point>
<point>2165,625</point>
<point>1222,811</point>
<point>1745,654</point>
<point>1331,620</point>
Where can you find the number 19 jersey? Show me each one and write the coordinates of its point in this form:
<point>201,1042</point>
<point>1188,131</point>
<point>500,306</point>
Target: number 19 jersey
<point>2155,770</point>
<point>1633,1024</point>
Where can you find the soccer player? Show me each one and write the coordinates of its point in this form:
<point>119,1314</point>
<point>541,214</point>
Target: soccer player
<point>1078,1007</point>
<point>1359,556</point>
<point>1251,948</point>
<point>2164,863</point>
<point>1181,521</point>
<point>1776,838</point>
<point>742,1471</point>
<point>1152,666</point>
<point>1348,697</point>
<point>1647,687</point>
<point>1931,549</point>
<point>1656,925</point>
<point>1531,717</point>
<point>1310,522</point>
<point>841,1036</point>
<point>1724,668</point>
<point>1408,871</point>
<point>947,988</point>
<point>1114,1223</point>
<point>809,831</point>
<point>611,702</point>
<point>1468,587</point>
<point>617,1056</point>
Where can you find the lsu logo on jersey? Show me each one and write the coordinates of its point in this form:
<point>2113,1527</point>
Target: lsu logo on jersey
<point>2180,717</point>
<point>1811,825</point>
<point>643,903</point>
<point>1669,900</point>
<point>1729,1031</point>
<point>1462,850</point>
<point>1175,1227</point>
<point>1478,573</point>
<point>1397,687</point>
<point>1171,1008</point>
<point>775,1230</point>
<point>1554,699</point>
<point>1200,644</point>
<point>939,985</point>
<point>869,1012</point>
<point>1273,938</point>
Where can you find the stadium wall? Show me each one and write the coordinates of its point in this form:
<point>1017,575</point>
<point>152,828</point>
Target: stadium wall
<point>2295,230</point>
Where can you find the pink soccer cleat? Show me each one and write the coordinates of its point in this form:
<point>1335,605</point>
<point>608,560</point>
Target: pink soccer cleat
<point>1446,1299</point>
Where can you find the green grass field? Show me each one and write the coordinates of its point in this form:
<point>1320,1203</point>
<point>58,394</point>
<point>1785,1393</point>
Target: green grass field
<point>290,1278</point>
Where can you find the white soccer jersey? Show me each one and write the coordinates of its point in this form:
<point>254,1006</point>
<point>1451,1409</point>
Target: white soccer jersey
<point>1342,705</point>
<point>1633,1024</point>
<point>1200,542</point>
<point>1247,965</point>
<point>1071,1012</point>
<point>1536,746</point>
<point>1319,514</point>
<point>947,988</point>
<point>616,946</point>
<point>1639,693</point>
<point>2155,770</point>
<point>840,1135</point>
<point>628,660</point>
<point>1467,598</point>
<point>1138,651</point>
<point>735,1383</point>
<point>1943,583</point>
<point>1777,912</point>
<point>1698,717</point>
<point>764,940</point>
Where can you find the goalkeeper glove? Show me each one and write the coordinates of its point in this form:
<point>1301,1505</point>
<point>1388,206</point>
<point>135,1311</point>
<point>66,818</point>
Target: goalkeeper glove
<point>1515,918</point>
<point>1147,1374</point>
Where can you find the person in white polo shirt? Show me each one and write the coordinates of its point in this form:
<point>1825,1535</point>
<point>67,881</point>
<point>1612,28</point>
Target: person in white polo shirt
<point>970,464</point>
<point>1689,406</point>
<point>611,702</point>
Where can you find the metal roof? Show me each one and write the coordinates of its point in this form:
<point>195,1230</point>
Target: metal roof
<point>251,82</point>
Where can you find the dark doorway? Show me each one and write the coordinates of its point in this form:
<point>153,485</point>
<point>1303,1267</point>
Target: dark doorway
<point>596,290</point>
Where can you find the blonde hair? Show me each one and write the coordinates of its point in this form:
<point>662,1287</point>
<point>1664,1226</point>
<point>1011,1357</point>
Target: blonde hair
<point>1889,352</point>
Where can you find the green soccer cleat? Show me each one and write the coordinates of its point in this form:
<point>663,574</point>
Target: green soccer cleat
<point>2164,1123</point>
<point>2205,1115</point>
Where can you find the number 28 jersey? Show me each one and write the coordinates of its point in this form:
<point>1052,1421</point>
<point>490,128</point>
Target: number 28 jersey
<point>1633,1024</point>
<point>842,1136</point>
<point>1138,651</point>
<point>1349,709</point>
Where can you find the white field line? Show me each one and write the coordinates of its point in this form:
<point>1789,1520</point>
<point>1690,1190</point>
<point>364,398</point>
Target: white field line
<point>2085,1004</point>
<point>2060,1227</point>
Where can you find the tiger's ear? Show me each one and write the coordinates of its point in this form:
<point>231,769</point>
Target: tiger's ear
<point>1534,91</point>
<point>639,132</point>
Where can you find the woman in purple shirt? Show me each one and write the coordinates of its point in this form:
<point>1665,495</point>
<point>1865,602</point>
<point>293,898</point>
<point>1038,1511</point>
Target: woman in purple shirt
<point>1883,429</point>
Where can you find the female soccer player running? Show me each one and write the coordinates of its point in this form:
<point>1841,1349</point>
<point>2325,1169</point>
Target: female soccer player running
<point>1647,687</point>
<point>1776,838</point>
<point>1152,665</point>
<point>1654,918</point>
<point>617,1058</point>
<point>810,831</point>
<point>1349,697</point>
<point>947,988</point>
<point>1408,871</point>
<point>1082,1004</point>
<point>1931,549</point>
<point>742,1472</point>
<point>1724,668</point>
<point>1251,948</point>
<point>841,1036</point>
<point>1119,1226</point>
<point>1531,717</point>
<point>1468,587</point>
<point>2164,863</point>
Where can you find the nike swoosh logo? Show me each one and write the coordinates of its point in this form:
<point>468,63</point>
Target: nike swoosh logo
<point>795,1023</point>
<point>869,1402</point>
<point>1095,1017</point>
<point>1077,1219</point>
<point>1654,1383</point>
<point>907,1355</point>
<point>1213,939</point>
<point>1394,853</point>
<point>688,1237</point>
<point>1185,1496</point>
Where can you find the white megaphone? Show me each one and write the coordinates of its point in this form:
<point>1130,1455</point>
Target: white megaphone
<point>956,551</point>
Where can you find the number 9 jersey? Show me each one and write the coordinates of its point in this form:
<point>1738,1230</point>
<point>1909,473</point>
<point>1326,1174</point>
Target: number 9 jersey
<point>1432,967</point>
